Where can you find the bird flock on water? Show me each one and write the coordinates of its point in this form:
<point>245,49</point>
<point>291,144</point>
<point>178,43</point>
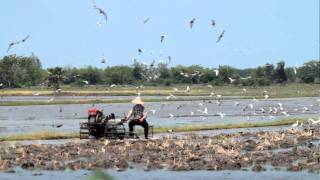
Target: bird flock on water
<point>262,107</point>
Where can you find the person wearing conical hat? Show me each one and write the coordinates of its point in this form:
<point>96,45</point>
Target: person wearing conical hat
<point>138,116</point>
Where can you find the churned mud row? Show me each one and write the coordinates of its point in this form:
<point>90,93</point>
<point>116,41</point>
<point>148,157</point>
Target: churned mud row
<point>292,150</point>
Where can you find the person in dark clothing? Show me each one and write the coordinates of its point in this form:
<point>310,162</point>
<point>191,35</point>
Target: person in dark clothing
<point>137,116</point>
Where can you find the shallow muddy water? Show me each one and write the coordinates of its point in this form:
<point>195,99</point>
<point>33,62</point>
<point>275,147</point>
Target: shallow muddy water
<point>140,174</point>
<point>18,119</point>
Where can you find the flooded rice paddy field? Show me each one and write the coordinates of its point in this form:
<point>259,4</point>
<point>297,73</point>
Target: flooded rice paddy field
<point>268,152</point>
<point>33,118</point>
<point>15,119</point>
<point>289,154</point>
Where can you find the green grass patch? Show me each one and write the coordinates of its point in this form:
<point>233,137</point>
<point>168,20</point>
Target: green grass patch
<point>46,135</point>
<point>91,101</point>
<point>274,91</point>
<point>189,128</point>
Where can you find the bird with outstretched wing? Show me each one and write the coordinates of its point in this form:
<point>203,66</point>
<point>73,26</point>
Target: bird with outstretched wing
<point>221,36</point>
<point>17,42</point>
<point>101,11</point>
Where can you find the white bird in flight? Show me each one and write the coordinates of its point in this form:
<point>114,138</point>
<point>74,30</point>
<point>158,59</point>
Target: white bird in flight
<point>222,115</point>
<point>219,96</point>
<point>50,100</point>
<point>231,80</point>
<point>216,71</point>
<point>153,111</point>
<point>285,113</point>
<point>17,42</point>
<point>101,11</point>
<point>145,20</point>
<point>213,23</point>
<point>170,97</point>
<point>162,38</point>
<point>221,36</point>
<point>103,60</point>
<point>244,90</point>
<point>191,22</point>
<point>188,89</point>
<point>204,111</point>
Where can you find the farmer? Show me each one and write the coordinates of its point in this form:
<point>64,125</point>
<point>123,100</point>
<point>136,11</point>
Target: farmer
<point>137,116</point>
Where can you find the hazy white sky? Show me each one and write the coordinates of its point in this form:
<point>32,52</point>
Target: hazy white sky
<point>65,32</point>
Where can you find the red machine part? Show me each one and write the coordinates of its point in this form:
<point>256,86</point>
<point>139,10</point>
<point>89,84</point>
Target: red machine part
<point>94,111</point>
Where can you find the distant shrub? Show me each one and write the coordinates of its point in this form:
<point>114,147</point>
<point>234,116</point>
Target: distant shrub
<point>247,82</point>
<point>262,82</point>
<point>167,82</point>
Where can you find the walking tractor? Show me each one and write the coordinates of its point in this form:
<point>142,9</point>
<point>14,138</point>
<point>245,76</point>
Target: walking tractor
<point>100,126</point>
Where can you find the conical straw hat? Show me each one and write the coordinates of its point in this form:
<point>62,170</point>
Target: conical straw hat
<point>137,100</point>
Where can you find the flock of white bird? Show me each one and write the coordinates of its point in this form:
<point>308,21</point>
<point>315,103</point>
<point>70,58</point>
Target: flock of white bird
<point>271,111</point>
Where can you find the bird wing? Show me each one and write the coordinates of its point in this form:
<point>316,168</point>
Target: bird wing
<point>219,38</point>
<point>9,47</point>
<point>192,22</point>
<point>145,21</point>
<point>102,12</point>
<point>24,39</point>
<point>221,35</point>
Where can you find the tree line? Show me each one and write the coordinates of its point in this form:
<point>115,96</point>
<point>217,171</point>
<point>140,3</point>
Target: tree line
<point>26,71</point>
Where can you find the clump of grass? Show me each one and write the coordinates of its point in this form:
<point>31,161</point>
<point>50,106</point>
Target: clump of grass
<point>99,175</point>
<point>188,128</point>
<point>46,135</point>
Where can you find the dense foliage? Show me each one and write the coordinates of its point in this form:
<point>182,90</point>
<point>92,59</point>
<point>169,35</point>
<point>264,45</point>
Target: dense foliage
<point>20,71</point>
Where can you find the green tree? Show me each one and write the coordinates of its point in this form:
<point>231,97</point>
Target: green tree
<point>55,77</point>
<point>118,75</point>
<point>281,75</point>
<point>310,72</point>
<point>91,74</point>
<point>19,71</point>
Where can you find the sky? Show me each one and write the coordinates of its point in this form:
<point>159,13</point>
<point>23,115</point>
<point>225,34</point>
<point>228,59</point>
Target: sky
<point>65,33</point>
